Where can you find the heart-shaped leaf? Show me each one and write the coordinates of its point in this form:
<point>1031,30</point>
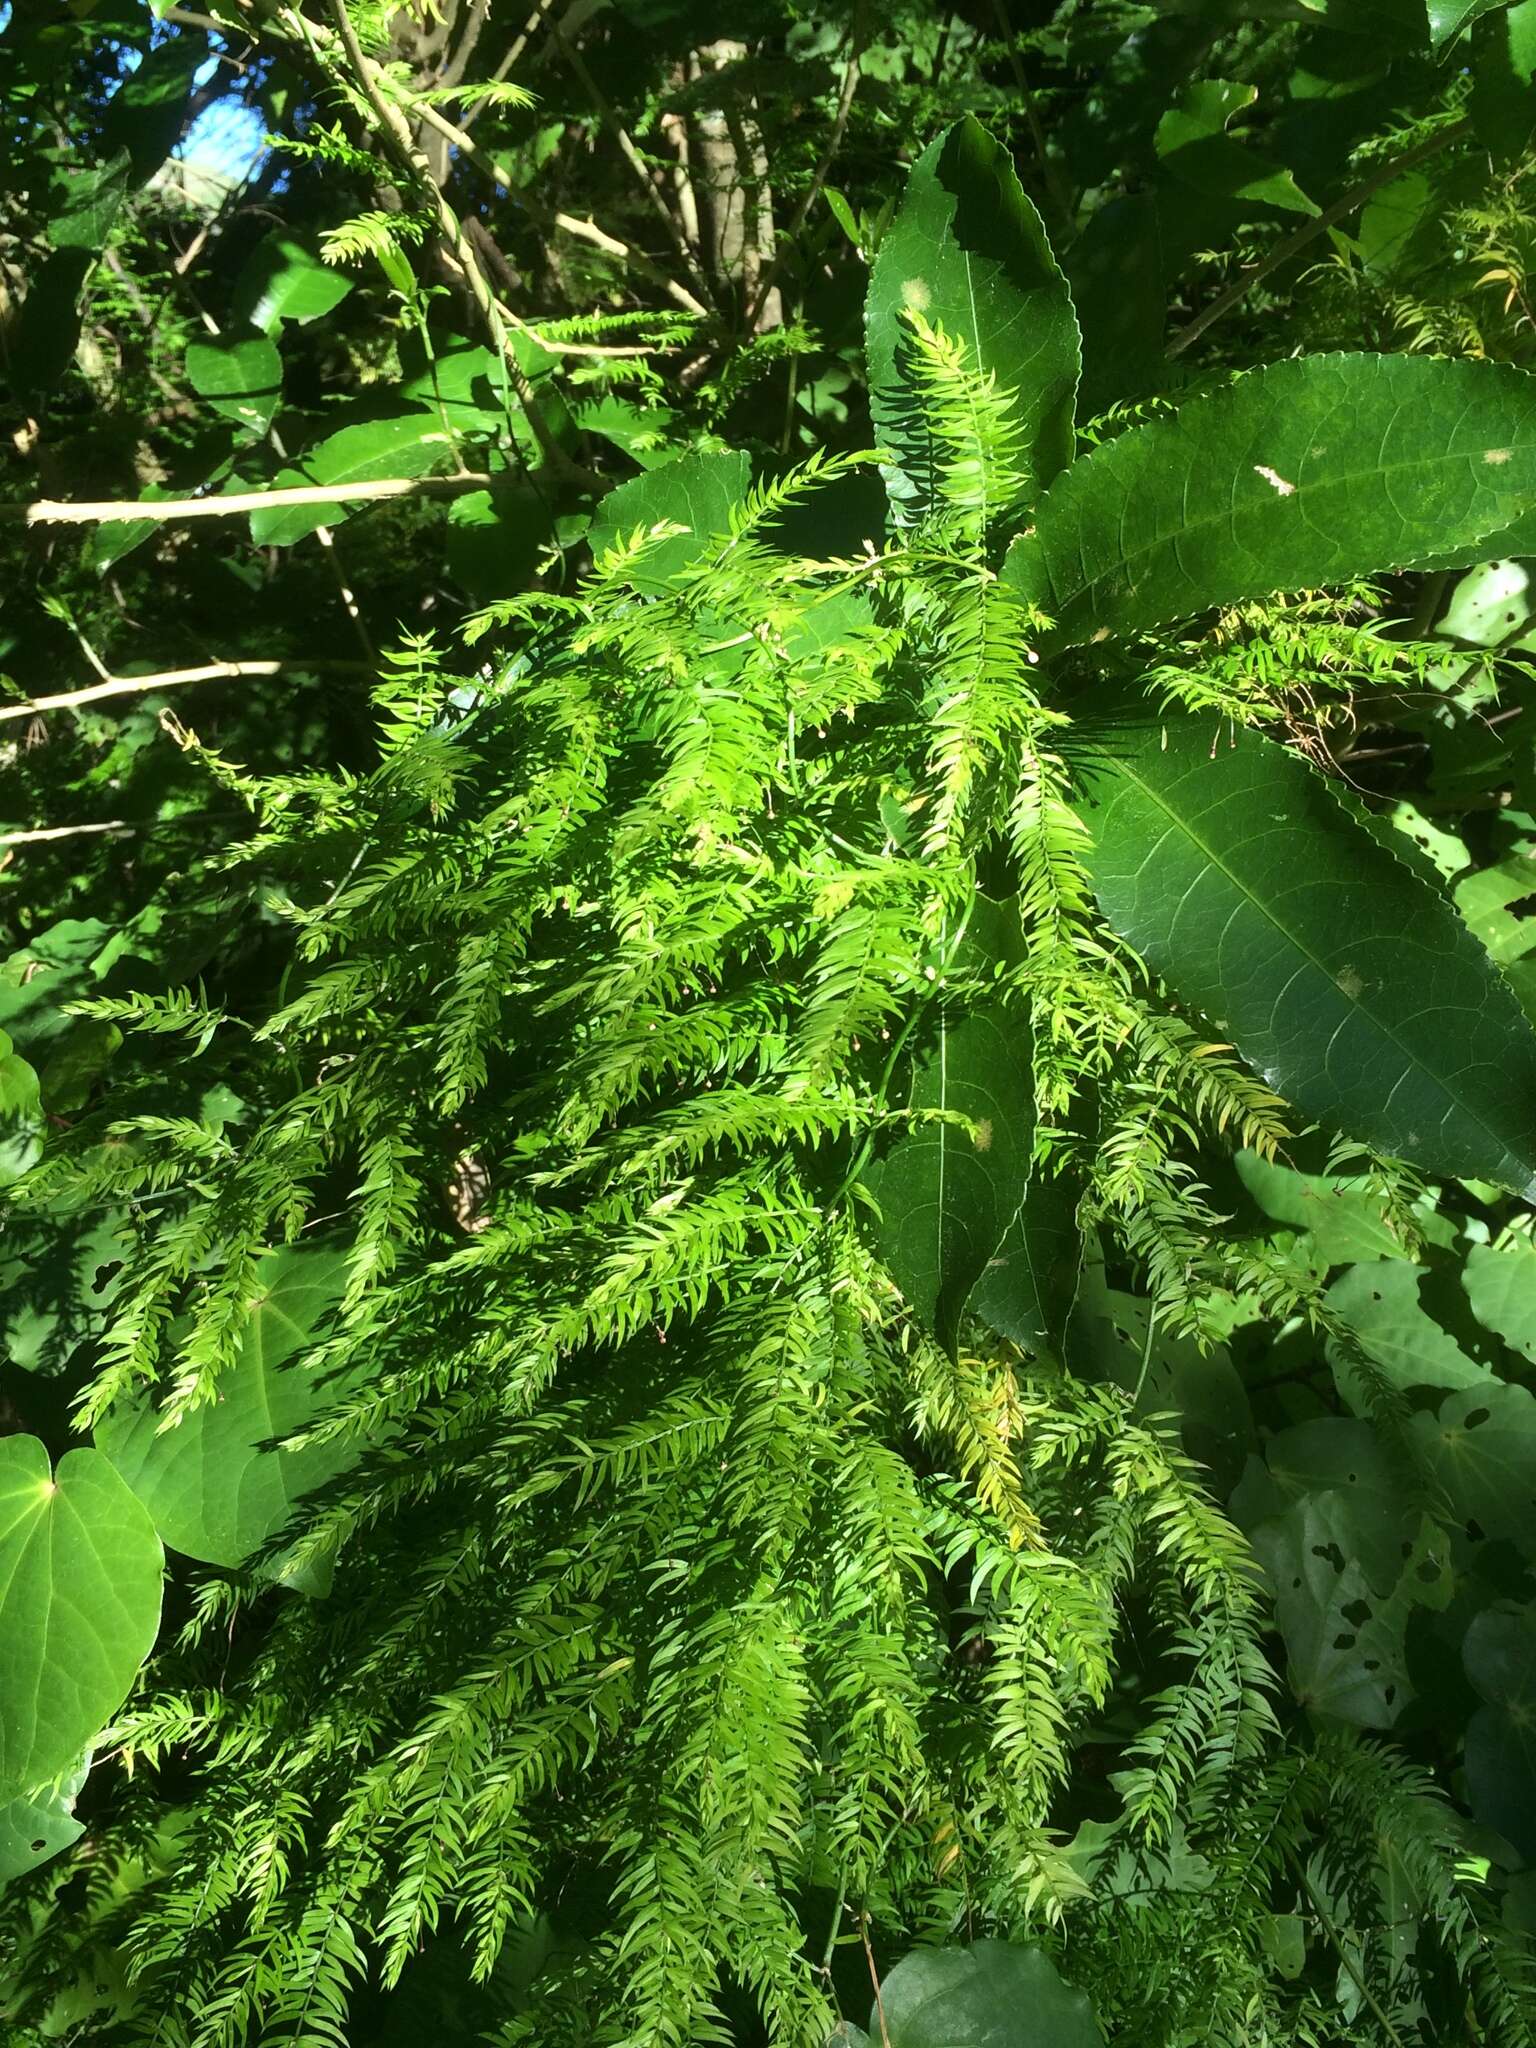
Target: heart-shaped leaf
<point>994,1994</point>
<point>213,1488</point>
<point>80,1573</point>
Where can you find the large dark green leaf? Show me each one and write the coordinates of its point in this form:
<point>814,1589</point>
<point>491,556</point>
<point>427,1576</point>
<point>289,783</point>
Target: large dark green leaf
<point>146,114</point>
<point>1306,473</point>
<point>80,1572</point>
<point>1500,1656</point>
<point>994,1994</point>
<point>968,251</point>
<point>1031,1280</point>
<point>1356,991</point>
<point>950,1187</point>
<point>213,1485</point>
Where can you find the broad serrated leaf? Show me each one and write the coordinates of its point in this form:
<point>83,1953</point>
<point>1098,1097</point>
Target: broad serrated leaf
<point>284,279</point>
<point>1304,474</point>
<point>697,492</point>
<point>993,1994</point>
<point>241,376</point>
<point>214,1488</point>
<point>968,251</point>
<point>1353,988</point>
<point>80,1573</point>
<point>410,445</point>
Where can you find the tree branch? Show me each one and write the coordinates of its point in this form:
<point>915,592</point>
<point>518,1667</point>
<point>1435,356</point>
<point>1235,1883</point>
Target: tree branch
<point>168,679</point>
<point>68,512</point>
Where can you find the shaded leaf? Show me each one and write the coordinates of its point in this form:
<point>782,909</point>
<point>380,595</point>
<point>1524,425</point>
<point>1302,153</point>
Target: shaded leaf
<point>948,1190</point>
<point>1031,1281</point>
<point>241,376</point>
<point>80,1572</point>
<point>968,251</point>
<point>993,1994</point>
<point>146,114</point>
<point>213,1490</point>
<point>1343,978</point>
<point>1499,1652</point>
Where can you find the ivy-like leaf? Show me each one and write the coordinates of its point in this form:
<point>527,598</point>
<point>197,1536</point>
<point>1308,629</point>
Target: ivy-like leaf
<point>1352,987</point>
<point>34,1830</point>
<point>212,1488</point>
<point>1304,474</point>
<point>968,251</point>
<point>80,1573</point>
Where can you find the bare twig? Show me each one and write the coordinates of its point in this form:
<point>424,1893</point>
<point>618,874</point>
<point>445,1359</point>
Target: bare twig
<point>65,832</point>
<point>1309,230</point>
<point>519,43</point>
<point>395,129</point>
<point>849,87</point>
<point>636,162</point>
<point>68,512</point>
<point>168,679</point>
